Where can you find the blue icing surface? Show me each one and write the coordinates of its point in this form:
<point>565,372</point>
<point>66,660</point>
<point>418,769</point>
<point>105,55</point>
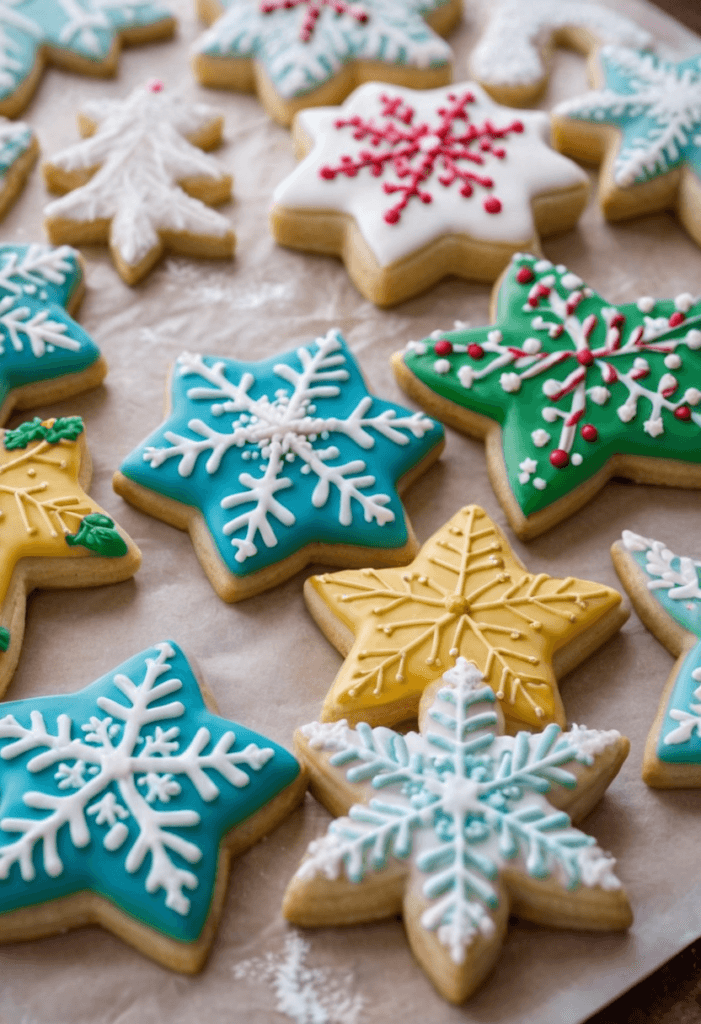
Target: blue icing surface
<point>120,795</point>
<point>291,457</point>
<point>683,698</point>
<point>16,141</point>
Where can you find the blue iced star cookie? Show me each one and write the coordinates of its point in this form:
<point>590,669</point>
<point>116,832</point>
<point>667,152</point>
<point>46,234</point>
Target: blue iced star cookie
<point>118,800</point>
<point>284,462</point>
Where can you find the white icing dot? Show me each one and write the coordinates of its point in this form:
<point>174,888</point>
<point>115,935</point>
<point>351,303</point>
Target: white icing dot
<point>441,366</point>
<point>576,459</point>
<point>539,483</point>
<point>641,364</point>
<point>645,304</point>
<point>693,339</point>
<point>541,265</point>
<point>510,382</point>
<point>419,347</point>
<point>540,438</point>
<point>692,396</point>
<point>436,335</point>
<point>599,395</point>
<point>626,413</point>
<point>466,376</point>
<point>550,414</point>
<point>653,427</point>
<point>531,346</point>
<point>549,281</point>
<point>672,361</point>
<point>551,387</point>
<point>668,382</point>
<point>495,337</point>
<point>684,302</point>
<point>523,478</point>
<point>571,281</point>
<point>528,465</point>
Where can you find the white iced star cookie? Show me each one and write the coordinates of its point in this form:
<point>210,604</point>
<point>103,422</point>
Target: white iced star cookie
<point>512,58</point>
<point>409,186</point>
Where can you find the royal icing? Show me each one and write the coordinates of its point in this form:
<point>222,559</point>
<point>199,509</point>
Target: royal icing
<point>572,380</point>
<point>284,453</point>
<point>468,811</point>
<point>655,104</point>
<point>16,138</point>
<point>302,44</point>
<point>675,582</point>
<point>142,153</point>
<point>412,165</point>
<point>465,594</point>
<point>510,53</point>
<point>126,788</point>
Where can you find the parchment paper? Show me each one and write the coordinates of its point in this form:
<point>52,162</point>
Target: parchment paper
<point>264,301</point>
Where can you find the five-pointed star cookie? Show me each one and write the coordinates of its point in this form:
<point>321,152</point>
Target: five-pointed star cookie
<point>512,57</point>
<point>666,592</point>
<point>51,533</point>
<point>83,35</point>
<point>465,594</point>
<point>568,391</point>
<point>275,464</point>
<point>44,354</point>
<point>644,123</point>
<point>302,53</point>
<point>121,804</point>
<point>456,826</point>
<point>409,186</point>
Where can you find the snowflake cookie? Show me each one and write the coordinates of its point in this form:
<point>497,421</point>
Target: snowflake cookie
<point>52,533</point>
<point>304,53</point>
<point>666,591</point>
<point>644,123</point>
<point>465,594</point>
<point>81,35</point>
<point>141,181</point>
<point>455,827</point>
<point>276,464</point>
<point>120,804</point>
<point>19,150</point>
<point>511,60</point>
<point>568,391</point>
<point>410,186</point>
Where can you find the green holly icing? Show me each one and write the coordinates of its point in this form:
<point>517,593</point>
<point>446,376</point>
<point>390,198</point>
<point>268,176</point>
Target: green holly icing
<point>67,428</point>
<point>571,380</point>
<point>4,638</point>
<point>97,533</point>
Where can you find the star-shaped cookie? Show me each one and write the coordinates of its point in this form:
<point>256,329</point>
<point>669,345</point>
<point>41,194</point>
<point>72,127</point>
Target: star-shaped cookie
<point>51,533</point>
<point>18,152</point>
<point>456,826</point>
<point>409,186</point>
<point>122,803</point>
<point>643,122</point>
<point>303,53</point>
<point>275,464</point>
<point>465,594</point>
<point>568,391</point>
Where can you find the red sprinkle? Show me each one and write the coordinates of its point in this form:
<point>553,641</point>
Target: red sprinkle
<point>492,205</point>
<point>474,350</point>
<point>155,85</point>
<point>683,412</point>
<point>525,275</point>
<point>443,348</point>
<point>559,458</point>
<point>585,357</point>
<point>589,432</point>
<point>676,319</point>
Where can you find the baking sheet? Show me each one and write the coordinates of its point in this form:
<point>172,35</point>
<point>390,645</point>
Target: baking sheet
<point>265,301</point>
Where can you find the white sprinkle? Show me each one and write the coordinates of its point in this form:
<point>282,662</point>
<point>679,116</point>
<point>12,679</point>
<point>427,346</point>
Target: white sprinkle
<point>539,483</point>
<point>571,281</point>
<point>531,346</point>
<point>672,361</point>
<point>692,396</point>
<point>693,339</point>
<point>576,459</point>
<point>540,438</point>
<point>542,265</point>
<point>684,302</point>
<point>441,366</point>
<point>645,304</point>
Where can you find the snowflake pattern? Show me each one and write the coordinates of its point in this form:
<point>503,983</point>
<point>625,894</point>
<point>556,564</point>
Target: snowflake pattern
<point>18,153</point>
<point>571,381</point>
<point>465,813</point>
<point>269,453</point>
<point>97,795</point>
<point>84,30</point>
<point>465,594</point>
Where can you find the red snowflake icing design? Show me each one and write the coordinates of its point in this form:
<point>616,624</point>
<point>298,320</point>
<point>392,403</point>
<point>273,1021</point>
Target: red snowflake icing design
<point>314,8</point>
<point>416,150</point>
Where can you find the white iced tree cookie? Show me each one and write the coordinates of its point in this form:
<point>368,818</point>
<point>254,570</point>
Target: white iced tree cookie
<point>141,181</point>
<point>456,826</point>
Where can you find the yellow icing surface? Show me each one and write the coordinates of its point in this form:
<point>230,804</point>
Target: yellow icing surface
<point>465,594</point>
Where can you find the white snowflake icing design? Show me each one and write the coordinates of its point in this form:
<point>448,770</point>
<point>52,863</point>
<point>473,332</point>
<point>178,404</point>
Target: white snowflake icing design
<point>657,106</point>
<point>682,582</point>
<point>461,803</point>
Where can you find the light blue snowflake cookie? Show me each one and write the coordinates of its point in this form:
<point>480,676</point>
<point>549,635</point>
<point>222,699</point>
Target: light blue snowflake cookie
<point>18,152</point>
<point>119,801</point>
<point>275,464</point>
<point>666,591</point>
<point>84,35</point>
<point>455,826</point>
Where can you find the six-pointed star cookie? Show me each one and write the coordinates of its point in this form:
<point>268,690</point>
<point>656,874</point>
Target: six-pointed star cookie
<point>51,533</point>
<point>568,391</point>
<point>456,826</point>
<point>410,186</point>
<point>275,464</point>
<point>644,123</point>
<point>83,35</point>
<point>44,354</point>
<point>511,59</point>
<point>302,53</point>
<point>122,803</point>
<point>666,592</point>
<point>465,594</point>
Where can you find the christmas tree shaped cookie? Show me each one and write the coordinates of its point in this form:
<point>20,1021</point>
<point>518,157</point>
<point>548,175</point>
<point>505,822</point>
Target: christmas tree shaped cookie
<point>465,594</point>
<point>52,534</point>
<point>141,181</point>
<point>666,591</point>
<point>81,35</point>
<point>568,391</point>
<point>457,826</point>
<point>276,464</point>
<point>304,53</point>
<point>122,804</point>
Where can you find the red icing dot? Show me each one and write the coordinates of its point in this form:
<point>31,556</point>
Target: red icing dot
<point>443,348</point>
<point>155,85</point>
<point>589,432</point>
<point>585,357</point>
<point>524,275</point>
<point>492,205</point>
<point>683,412</point>
<point>676,319</point>
<point>392,216</point>
<point>559,458</point>
<point>476,351</point>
